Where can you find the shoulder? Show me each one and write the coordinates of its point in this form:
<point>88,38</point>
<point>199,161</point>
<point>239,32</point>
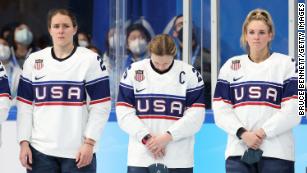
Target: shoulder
<point>39,55</point>
<point>142,64</point>
<point>86,53</point>
<point>282,58</point>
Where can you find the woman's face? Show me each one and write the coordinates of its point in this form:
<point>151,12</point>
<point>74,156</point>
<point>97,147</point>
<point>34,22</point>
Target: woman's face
<point>62,30</point>
<point>134,35</point>
<point>161,63</point>
<point>258,35</point>
<point>136,42</point>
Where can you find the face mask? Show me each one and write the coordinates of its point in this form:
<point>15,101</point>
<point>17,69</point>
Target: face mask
<point>138,46</point>
<point>24,36</point>
<point>5,52</point>
<point>82,43</point>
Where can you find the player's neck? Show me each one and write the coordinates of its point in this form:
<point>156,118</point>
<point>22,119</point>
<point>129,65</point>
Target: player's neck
<point>62,52</point>
<point>259,56</point>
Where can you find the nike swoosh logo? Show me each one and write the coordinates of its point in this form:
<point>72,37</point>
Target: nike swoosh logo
<point>137,90</point>
<point>236,79</point>
<point>38,78</point>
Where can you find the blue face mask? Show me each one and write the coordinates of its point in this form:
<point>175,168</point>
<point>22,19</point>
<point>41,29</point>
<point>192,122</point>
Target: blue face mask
<point>24,36</point>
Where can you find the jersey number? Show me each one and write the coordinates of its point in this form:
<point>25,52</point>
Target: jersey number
<point>197,74</point>
<point>103,68</point>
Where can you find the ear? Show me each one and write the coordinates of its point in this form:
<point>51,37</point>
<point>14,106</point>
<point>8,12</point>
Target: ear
<point>270,36</point>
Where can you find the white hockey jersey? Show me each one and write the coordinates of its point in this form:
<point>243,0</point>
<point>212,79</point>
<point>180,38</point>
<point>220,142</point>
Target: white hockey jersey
<point>5,97</point>
<point>150,102</point>
<point>258,95</point>
<point>53,112</point>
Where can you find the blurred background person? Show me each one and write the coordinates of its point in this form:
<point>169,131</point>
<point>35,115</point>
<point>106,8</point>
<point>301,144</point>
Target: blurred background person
<point>201,57</point>
<point>84,39</point>
<point>13,70</point>
<point>137,39</point>
<point>23,43</point>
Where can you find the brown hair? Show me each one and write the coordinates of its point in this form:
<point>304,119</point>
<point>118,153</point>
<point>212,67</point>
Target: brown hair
<point>162,44</point>
<point>65,12</point>
<point>260,15</point>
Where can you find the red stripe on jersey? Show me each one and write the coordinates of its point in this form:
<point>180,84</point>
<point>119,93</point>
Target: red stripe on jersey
<point>256,104</point>
<point>24,100</point>
<point>165,117</point>
<point>124,104</point>
<point>220,99</point>
<point>6,95</point>
<point>288,98</point>
<point>198,105</point>
<point>100,100</point>
<point>60,104</point>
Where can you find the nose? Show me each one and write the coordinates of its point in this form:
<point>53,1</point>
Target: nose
<point>61,30</point>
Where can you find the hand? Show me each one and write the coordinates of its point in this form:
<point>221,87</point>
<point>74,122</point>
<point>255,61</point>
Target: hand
<point>260,133</point>
<point>251,140</point>
<point>25,155</point>
<point>156,144</point>
<point>85,154</point>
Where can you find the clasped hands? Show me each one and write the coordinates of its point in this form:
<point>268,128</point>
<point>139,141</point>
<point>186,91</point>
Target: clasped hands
<point>253,139</point>
<point>157,144</point>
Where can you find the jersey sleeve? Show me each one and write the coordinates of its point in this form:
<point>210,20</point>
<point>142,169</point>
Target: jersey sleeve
<point>5,95</point>
<point>98,88</point>
<point>25,100</point>
<point>224,116</point>
<point>287,117</point>
<point>194,115</point>
<point>125,108</point>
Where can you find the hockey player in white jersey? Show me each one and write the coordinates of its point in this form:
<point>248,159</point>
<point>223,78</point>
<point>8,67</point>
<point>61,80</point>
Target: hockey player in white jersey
<point>58,127</point>
<point>255,102</point>
<point>5,97</point>
<point>161,106</point>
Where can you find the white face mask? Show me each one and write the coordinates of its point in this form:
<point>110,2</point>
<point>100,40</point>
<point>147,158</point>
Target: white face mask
<point>24,36</point>
<point>138,46</point>
<point>82,43</point>
<point>5,52</point>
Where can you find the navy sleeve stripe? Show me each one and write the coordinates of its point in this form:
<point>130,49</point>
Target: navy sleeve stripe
<point>96,80</point>
<point>126,86</point>
<point>98,90</point>
<point>197,88</point>
<point>222,90</point>
<point>290,88</point>
<point>290,79</point>
<point>25,79</point>
<point>126,95</point>
<point>25,90</point>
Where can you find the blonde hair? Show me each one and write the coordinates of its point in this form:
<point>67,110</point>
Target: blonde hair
<point>260,15</point>
<point>162,44</point>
